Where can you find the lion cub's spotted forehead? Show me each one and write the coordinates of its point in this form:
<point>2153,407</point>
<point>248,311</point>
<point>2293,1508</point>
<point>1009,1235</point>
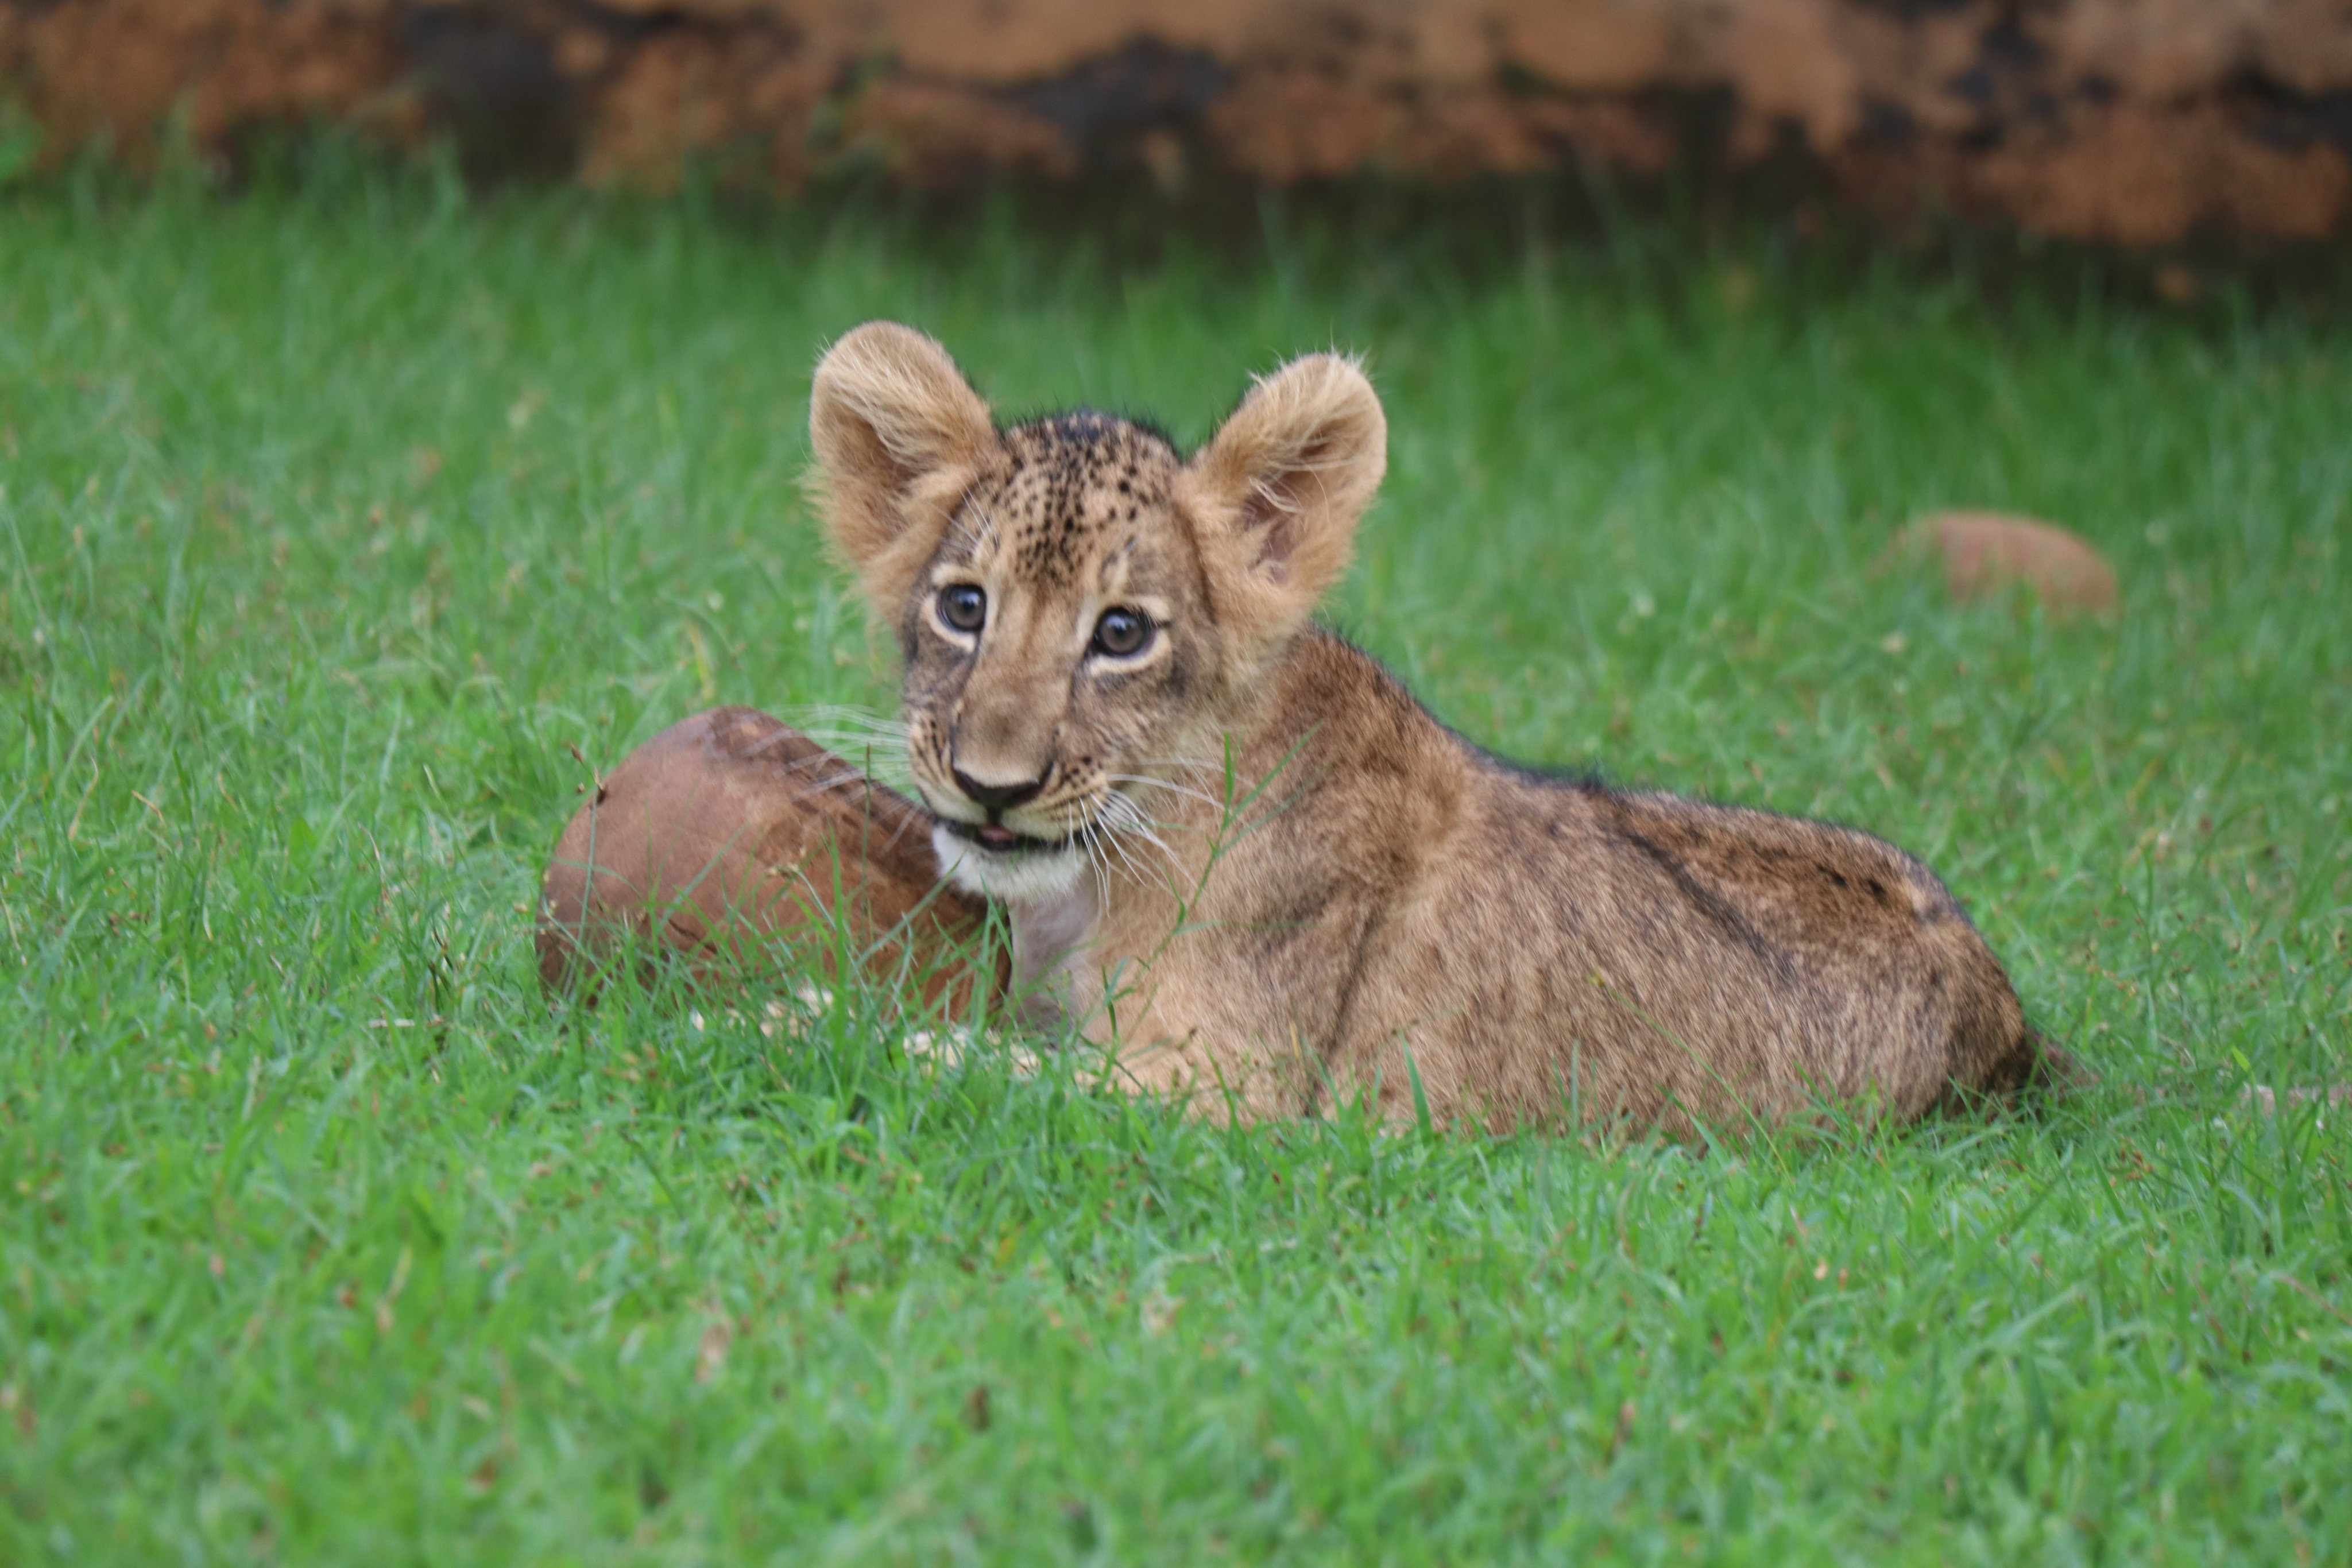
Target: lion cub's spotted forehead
<point>1063,491</point>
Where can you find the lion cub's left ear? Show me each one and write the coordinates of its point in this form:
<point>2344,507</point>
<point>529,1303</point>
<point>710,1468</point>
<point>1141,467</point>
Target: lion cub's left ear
<point>1280,489</point>
<point>899,436</point>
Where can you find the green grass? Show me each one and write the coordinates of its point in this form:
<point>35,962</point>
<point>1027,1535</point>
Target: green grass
<point>331,522</point>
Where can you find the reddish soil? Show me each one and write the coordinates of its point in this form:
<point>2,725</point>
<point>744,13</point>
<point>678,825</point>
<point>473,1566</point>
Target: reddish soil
<point>2141,122</point>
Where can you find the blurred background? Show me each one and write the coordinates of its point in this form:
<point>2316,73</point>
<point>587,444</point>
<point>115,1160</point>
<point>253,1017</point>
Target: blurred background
<point>2140,122</point>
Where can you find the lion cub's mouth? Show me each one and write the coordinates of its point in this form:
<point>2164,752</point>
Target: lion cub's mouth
<point>1001,862</point>
<point>998,839</point>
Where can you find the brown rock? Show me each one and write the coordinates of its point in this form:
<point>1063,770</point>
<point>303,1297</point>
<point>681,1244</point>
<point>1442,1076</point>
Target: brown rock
<point>729,831</point>
<point>2263,1098</point>
<point>1984,552</point>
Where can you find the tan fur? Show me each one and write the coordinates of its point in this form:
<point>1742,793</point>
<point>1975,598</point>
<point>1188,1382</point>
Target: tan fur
<point>898,436</point>
<point>1253,865</point>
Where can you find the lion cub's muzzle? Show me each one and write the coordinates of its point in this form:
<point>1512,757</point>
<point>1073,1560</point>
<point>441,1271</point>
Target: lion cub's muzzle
<point>995,799</point>
<point>1005,817</point>
<point>989,844</point>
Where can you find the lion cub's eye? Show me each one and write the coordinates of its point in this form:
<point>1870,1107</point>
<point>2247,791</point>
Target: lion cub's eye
<point>963,607</point>
<point>1122,632</point>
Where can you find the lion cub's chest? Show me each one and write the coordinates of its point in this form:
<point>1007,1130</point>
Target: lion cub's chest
<point>1053,937</point>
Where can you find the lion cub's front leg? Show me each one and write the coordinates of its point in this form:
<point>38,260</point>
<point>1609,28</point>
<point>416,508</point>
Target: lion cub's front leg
<point>1240,1007</point>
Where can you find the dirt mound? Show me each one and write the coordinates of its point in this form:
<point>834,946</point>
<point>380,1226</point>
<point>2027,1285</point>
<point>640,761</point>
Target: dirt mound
<point>1984,553</point>
<point>2137,121</point>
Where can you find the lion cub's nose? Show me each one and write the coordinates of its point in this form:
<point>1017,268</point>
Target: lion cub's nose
<point>995,799</point>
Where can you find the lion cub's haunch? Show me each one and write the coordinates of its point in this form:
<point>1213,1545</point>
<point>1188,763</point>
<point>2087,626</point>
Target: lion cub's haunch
<point>1236,850</point>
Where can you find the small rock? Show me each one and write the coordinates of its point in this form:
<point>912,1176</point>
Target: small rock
<point>1984,552</point>
<point>2261,1097</point>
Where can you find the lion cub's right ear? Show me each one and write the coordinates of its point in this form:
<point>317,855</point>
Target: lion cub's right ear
<point>900,437</point>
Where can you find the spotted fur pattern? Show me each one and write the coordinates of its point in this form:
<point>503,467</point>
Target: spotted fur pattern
<point>1066,519</point>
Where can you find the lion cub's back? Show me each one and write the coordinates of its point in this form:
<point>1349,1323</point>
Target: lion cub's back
<point>1869,954</point>
<point>1671,956</point>
<point>1812,888</point>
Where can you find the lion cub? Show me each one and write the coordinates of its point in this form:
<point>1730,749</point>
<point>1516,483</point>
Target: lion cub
<point>1234,850</point>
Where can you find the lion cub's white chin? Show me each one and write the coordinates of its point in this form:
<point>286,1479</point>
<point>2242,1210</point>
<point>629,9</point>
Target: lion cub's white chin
<point>1015,877</point>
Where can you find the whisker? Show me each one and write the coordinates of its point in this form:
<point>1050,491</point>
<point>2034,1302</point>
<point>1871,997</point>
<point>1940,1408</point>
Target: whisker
<point>1208,773</point>
<point>883,756</point>
<point>844,746</point>
<point>1142,827</point>
<point>846,722</point>
<point>1129,818</point>
<point>855,733</point>
<point>1175,866</point>
<point>866,758</point>
<point>987,525</point>
<point>1101,867</point>
<point>829,735</point>
<point>1200,795</point>
<point>1135,871</point>
<point>1102,830</point>
<point>851,713</point>
<point>1102,874</point>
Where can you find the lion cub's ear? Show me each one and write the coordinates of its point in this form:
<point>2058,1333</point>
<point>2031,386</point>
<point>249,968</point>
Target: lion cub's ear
<point>1278,490</point>
<point>899,436</point>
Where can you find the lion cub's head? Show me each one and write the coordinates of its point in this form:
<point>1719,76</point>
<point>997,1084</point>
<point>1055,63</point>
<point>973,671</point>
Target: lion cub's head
<point>1079,606</point>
